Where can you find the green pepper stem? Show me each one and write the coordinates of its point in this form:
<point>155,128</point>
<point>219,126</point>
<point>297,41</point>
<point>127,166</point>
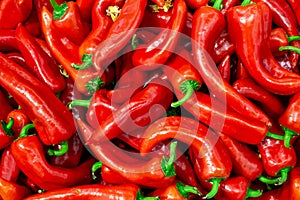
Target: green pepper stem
<point>268,180</point>
<point>134,42</point>
<point>275,136</point>
<point>7,127</point>
<point>253,193</point>
<point>288,135</point>
<point>187,87</point>
<point>184,190</point>
<point>64,147</point>
<point>289,48</point>
<point>214,189</point>
<point>218,4</point>
<point>245,2</point>
<point>167,164</point>
<point>94,85</point>
<point>59,10</point>
<point>87,61</point>
<point>140,196</point>
<point>97,165</point>
<point>25,129</point>
<point>284,172</point>
<point>293,38</point>
<point>79,102</point>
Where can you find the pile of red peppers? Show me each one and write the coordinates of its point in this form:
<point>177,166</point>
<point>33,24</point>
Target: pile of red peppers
<point>150,99</point>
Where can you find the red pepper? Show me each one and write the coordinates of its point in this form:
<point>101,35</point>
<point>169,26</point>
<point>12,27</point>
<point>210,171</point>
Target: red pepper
<point>6,107</point>
<point>296,8</point>
<point>222,48</point>
<point>20,120</point>
<point>212,27</point>
<point>9,169</point>
<point>32,24</point>
<point>13,12</point>
<point>161,47</point>
<point>8,40</point>
<point>10,190</point>
<point>277,160</point>
<point>245,161</point>
<point>215,165</point>
<point>295,183</point>
<point>67,21</point>
<point>195,4</point>
<point>28,148</point>
<point>278,38</point>
<point>95,191</point>
<point>38,62</point>
<point>250,37</point>
<point>52,117</point>
<point>85,8</point>
<point>135,114</point>
<point>63,50</point>
<point>270,103</point>
<point>224,68</point>
<point>228,4</point>
<point>6,133</point>
<point>176,191</point>
<point>17,58</point>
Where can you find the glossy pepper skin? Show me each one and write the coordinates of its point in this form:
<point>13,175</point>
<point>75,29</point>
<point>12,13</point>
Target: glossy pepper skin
<point>85,8</point>
<point>295,183</point>
<point>202,48</point>
<point>38,62</point>
<point>9,169</point>
<point>8,40</point>
<point>10,190</point>
<point>255,29</point>
<point>13,12</point>
<point>20,120</point>
<point>296,8</point>
<point>6,107</point>
<point>29,148</point>
<point>164,42</point>
<point>30,94</point>
<point>135,114</point>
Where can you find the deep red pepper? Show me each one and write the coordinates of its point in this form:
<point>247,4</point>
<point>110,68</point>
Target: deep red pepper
<point>9,169</point>
<point>95,191</point>
<point>246,35</point>
<point>215,165</point>
<point>17,58</point>
<point>270,103</point>
<point>85,8</point>
<point>161,47</point>
<point>295,183</point>
<point>6,107</point>
<point>52,117</point>
<point>277,160</point>
<point>245,161</point>
<point>20,120</point>
<point>228,4</point>
<point>38,62</point>
<point>13,12</point>
<point>10,190</point>
<point>222,48</point>
<point>32,24</point>
<point>63,50</point>
<point>67,21</point>
<point>295,5</point>
<point>8,40</point>
<point>224,68</point>
<point>278,38</point>
<point>202,48</point>
<point>27,148</point>
<point>6,133</point>
<point>195,4</point>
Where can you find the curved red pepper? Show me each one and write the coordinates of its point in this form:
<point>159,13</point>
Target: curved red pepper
<point>246,35</point>
<point>159,18</point>
<point>52,117</point>
<point>278,38</point>
<point>8,40</point>
<point>202,48</point>
<point>224,68</point>
<point>160,48</point>
<point>10,190</point>
<point>13,12</point>
<point>38,62</point>
<point>9,169</point>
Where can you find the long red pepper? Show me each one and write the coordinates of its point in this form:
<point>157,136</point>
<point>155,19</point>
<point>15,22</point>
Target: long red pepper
<point>9,169</point>
<point>246,35</point>
<point>222,90</point>
<point>95,191</point>
<point>52,117</point>
<point>8,40</point>
<point>209,150</point>
<point>13,12</point>
<point>10,190</point>
<point>161,47</point>
<point>224,68</point>
<point>28,148</point>
<point>295,5</point>
<point>38,62</point>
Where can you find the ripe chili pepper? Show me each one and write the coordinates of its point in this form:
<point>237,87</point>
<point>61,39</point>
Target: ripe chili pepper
<point>215,165</point>
<point>38,62</point>
<point>294,183</point>
<point>28,147</point>
<point>277,160</point>
<point>278,38</point>
<point>222,47</point>
<point>136,113</point>
<point>52,117</point>
<point>224,68</point>
<point>256,30</point>
<point>9,169</point>
<point>32,24</point>
<point>13,12</point>
<point>211,27</point>
<point>62,49</point>
<point>228,4</point>
<point>155,173</point>
<point>17,58</point>
<point>183,76</point>
<point>195,4</point>
<point>245,161</point>
<point>270,103</point>
<point>8,40</point>
<point>68,22</point>
<point>10,190</point>
<point>161,47</point>
<point>85,8</point>
<point>6,133</point>
<point>95,191</point>
<point>6,107</point>
<point>296,8</point>
<point>177,191</point>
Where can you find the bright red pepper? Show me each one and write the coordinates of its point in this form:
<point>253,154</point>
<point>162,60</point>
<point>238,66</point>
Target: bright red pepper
<point>195,4</point>
<point>13,12</point>
<point>228,4</point>
<point>20,120</point>
<point>212,27</point>
<point>295,5</point>
<point>6,107</point>
<point>85,8</point>
<point>9,169</point>
<point>8,40</point>
<point>10,190</point>
<point>224,68</point>
<point>295,183</point>
<point>95,191</point>
<point>278,38</point>
<point>52,117</point>
<point>17,58</point>
<point>6,133</point>
<point>250,37</point>
<point>222,48</point>
<point>162,46</point>
<point>32,24</point>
